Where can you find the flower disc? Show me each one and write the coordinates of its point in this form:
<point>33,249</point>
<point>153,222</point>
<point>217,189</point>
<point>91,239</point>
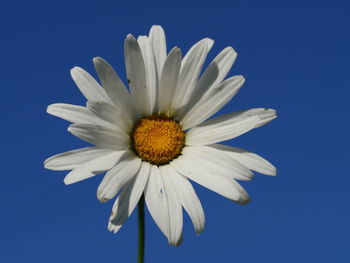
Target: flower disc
<point>157,139</point>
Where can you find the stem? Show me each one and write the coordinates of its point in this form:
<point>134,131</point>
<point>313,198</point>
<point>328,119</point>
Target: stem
<point>141,217</point>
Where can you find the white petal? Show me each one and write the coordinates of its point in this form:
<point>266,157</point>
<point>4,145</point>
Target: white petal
<point>222,64</point>
<point>93,167</point>
<point>219,184</point>
<point>222,128</point>
<point>73,113</point>
<point>112,115</point>
<point>112,84</point>
<point>151,74</point>
<point>117,177</point>
<point>168,80</point>
<point>113,228</point>
<point>128,199</point>
<point>218,162</point>
<point>188,198</point>
<point>244,197</point>
<point>157,38</point>
<point>135,69</point>
<point>265,115</point>
<point>175,209</point>
<point>101,136</point>
<point>210,80</point>
<point>88,85</point>
<point>212,104</point>
<point>190,69</point>
<point>250,160</point>
<point>157,200</point>
<point>72,159</point>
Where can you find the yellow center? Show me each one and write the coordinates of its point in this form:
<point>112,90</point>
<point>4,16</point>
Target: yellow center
<point>157,139</point>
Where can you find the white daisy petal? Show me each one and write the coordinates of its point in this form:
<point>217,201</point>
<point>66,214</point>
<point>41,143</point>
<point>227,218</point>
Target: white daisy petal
<point>208,107</point>
<point>250,160</point>
<point>72,113</point>
<point>118,176</point>
<point>244,197</point>
<point>168,80</point>
<point>72,159</point>
<point>111,114</point>
<point>126,202</point>
<point>175,209</point>
<point>219,184</point>
<point>157,200</point>
<point>209,83</point>
<point>88,85</point>
<point>219,163</point>
<point>190,69</point>
<point>220,129</point>
<point>112,84</point>
<point>222,63</point>
<point>135,69</point>
<point>157,38</point>
<point>101,136</point>
<point>114,228</point>
<point>188,198</point>
<point>151,74</point>
<point>265,115</point>
<point>93,167</point>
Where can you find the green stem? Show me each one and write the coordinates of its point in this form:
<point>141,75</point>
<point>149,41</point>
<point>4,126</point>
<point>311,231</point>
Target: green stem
<point>141,215</point>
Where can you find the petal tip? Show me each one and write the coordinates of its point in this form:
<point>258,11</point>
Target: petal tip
<point>113,228</point>
<point>176,242</point>
<point>97,59</point>
<point>74,70</point>
<point>199,231</point>
<point>157,27</point>
<point>130,37</point>
<point>273,172</point>
<point>67,181</point>
<point>244,201</point>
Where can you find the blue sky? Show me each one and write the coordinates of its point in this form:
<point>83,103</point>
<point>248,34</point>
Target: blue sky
<point>295,58</point>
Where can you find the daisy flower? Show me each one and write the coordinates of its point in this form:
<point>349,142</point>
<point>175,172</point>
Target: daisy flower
<point>152,138</point>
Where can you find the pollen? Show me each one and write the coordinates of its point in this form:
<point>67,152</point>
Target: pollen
<point>157,139</point>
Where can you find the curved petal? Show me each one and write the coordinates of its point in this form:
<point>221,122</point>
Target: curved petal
<point>128,199</point>
<point>168,80</point>
<point>72,159</point>
<point>93,167</point>
<point>219,184</point>
<point>191,67</point>
<point>88,85</point>
<point>221,128</point>
<point>218,162</point>
<point>117,177</point>
<point>135,69</point>
<point>73,113</point>
<point>205,108</point>
<point>111,114</point>
<point>112,84</point>
<point>222,63</point>
<point>101,136</point>
<point>157,200</point>
<point>210,80</point>
<point>157,38</point>
<point>151,74</point>
<point>188,198</point>
<point>175,209</point>
<point>244,197</point>
<point>250,160</point>
<point>265,115</point>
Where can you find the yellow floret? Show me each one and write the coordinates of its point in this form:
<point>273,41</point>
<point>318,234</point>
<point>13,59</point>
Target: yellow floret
<point>157,139</point>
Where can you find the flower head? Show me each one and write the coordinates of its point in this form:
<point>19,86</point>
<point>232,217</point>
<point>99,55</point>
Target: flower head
<point>153,137</point>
